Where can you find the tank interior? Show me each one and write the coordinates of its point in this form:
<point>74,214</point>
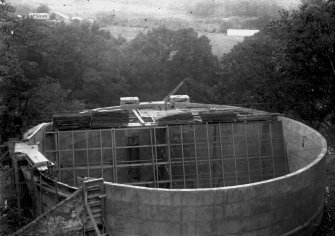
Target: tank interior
<point>177,156</point>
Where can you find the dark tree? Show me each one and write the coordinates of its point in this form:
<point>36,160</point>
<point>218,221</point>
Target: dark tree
<point>43,8</point>
<point>290,65</point>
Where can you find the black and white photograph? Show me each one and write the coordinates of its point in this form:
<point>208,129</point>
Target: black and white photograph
<point>167,117</point>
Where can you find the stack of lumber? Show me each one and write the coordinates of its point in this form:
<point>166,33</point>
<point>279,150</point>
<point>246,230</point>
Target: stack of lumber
<point>67,120</point>
<point>256,117</point>
<point>174,117</point>
<point>218,116</point>
<point>109,118</point>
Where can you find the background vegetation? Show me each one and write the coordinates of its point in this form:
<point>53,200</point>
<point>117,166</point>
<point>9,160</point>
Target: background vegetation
<point>288,67</point>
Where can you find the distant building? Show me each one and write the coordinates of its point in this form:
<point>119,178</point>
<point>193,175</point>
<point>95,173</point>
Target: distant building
<point>90,21</point>
<point>76,19</point>
<point>241,32</point>
<point>39,16</point>
<point>61,17</point>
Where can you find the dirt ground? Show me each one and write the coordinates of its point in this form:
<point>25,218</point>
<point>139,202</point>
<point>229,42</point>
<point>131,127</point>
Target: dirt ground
<point>327,226</point>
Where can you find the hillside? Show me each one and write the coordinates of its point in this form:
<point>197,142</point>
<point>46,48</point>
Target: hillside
<point>209,18</point>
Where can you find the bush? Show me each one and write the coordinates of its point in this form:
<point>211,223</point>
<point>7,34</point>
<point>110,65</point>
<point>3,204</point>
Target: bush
<point>12,220</point>
<point>43,8</point>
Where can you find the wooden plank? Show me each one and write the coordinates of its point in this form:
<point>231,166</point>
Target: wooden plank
<point>96,229</point>
<point>138,116</point>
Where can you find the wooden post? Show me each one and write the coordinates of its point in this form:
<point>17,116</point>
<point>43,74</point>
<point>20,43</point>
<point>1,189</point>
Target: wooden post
<point>40,198</point>
<point>17,182</point>
<point>56,189</point>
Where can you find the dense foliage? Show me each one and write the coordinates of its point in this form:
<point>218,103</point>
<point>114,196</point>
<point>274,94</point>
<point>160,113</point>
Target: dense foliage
<point>46,67</point>
<point>289,65</point>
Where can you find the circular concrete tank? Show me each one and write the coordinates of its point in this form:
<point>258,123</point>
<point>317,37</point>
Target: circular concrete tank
<point>288,205</point>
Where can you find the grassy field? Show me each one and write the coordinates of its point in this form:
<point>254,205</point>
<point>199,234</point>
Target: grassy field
<point>220,43</point>
<point>127,19</point>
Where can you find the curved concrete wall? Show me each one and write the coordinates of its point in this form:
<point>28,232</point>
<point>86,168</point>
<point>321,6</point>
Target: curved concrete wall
<point>282,206</point>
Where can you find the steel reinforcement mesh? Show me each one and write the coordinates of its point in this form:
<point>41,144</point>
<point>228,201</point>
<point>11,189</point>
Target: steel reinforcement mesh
<point>180,156</point>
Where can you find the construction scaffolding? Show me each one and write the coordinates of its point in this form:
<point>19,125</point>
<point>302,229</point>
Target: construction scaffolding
<point>177,156</point>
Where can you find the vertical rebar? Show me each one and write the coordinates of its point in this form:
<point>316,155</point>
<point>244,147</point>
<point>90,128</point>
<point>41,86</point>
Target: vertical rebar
<point>273,158</point>
<point>234,148</point>
<point>209,157</point>
<point>114,156</point>
<point>221,155</point>
<point>196,156</point>
<point>169,154</point>
<point>182,154</point>
<point>73,160</point>
<point>156,158</point>
<point>40,180</point>
<point>101,156</point>
<point>247,151</point>
<point>87,157</point>
<point>153,159</point>
<point>260,151</point>
<point>58,159</point>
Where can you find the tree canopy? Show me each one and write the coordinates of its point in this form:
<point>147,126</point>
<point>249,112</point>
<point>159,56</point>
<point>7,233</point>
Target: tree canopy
<point>290,64</point>
<point>287,67</point>
<point>47,67</point>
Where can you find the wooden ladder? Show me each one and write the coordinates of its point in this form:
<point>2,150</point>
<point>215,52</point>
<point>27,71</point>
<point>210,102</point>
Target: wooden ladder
<point>94,195</point>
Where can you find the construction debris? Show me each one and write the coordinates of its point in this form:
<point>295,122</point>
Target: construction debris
<point>109,118</point>
<point>218,116</point>
<point>67,120</point>
<point>174,117</point>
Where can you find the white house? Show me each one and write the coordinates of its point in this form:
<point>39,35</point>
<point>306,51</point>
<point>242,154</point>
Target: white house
<point>61,17</point>
<point>241,32</point>
<point>39,16</point>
